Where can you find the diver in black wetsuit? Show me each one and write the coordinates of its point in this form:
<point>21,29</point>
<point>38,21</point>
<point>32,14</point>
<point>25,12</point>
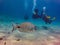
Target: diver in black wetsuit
<point>43,16</point>
<point>47,19</point>
<point>35,14</point>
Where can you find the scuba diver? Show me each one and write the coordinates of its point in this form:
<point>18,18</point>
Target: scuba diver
<point>35,14</point>
<point>43,16</point>
<point>47,19</point>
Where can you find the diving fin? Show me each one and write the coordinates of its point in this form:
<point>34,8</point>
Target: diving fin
<point>53,18</point>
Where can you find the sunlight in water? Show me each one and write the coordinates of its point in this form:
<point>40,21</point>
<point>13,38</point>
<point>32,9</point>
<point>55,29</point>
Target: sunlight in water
<point>26,4</point>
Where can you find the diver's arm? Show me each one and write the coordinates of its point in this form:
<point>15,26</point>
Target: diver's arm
<point>53,18</point>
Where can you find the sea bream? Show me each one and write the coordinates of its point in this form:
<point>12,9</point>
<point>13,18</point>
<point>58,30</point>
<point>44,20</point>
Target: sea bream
<point>25,27</point>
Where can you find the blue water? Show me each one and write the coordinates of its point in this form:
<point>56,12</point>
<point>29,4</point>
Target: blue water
<point>14,10</point>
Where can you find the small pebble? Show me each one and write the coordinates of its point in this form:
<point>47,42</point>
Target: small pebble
<point>1,38</point>
<point>5,43</point>
<point>18,39</point>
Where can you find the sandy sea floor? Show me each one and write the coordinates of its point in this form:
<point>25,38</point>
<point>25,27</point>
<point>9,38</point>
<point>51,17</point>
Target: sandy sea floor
<point>41,37</point>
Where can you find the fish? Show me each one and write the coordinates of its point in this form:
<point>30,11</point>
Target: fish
<point>25,27</point>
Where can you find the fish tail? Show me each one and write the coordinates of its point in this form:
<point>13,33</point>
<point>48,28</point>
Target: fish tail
<point>14,27</point>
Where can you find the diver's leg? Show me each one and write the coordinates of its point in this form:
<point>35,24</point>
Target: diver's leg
<point>50,21</point>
